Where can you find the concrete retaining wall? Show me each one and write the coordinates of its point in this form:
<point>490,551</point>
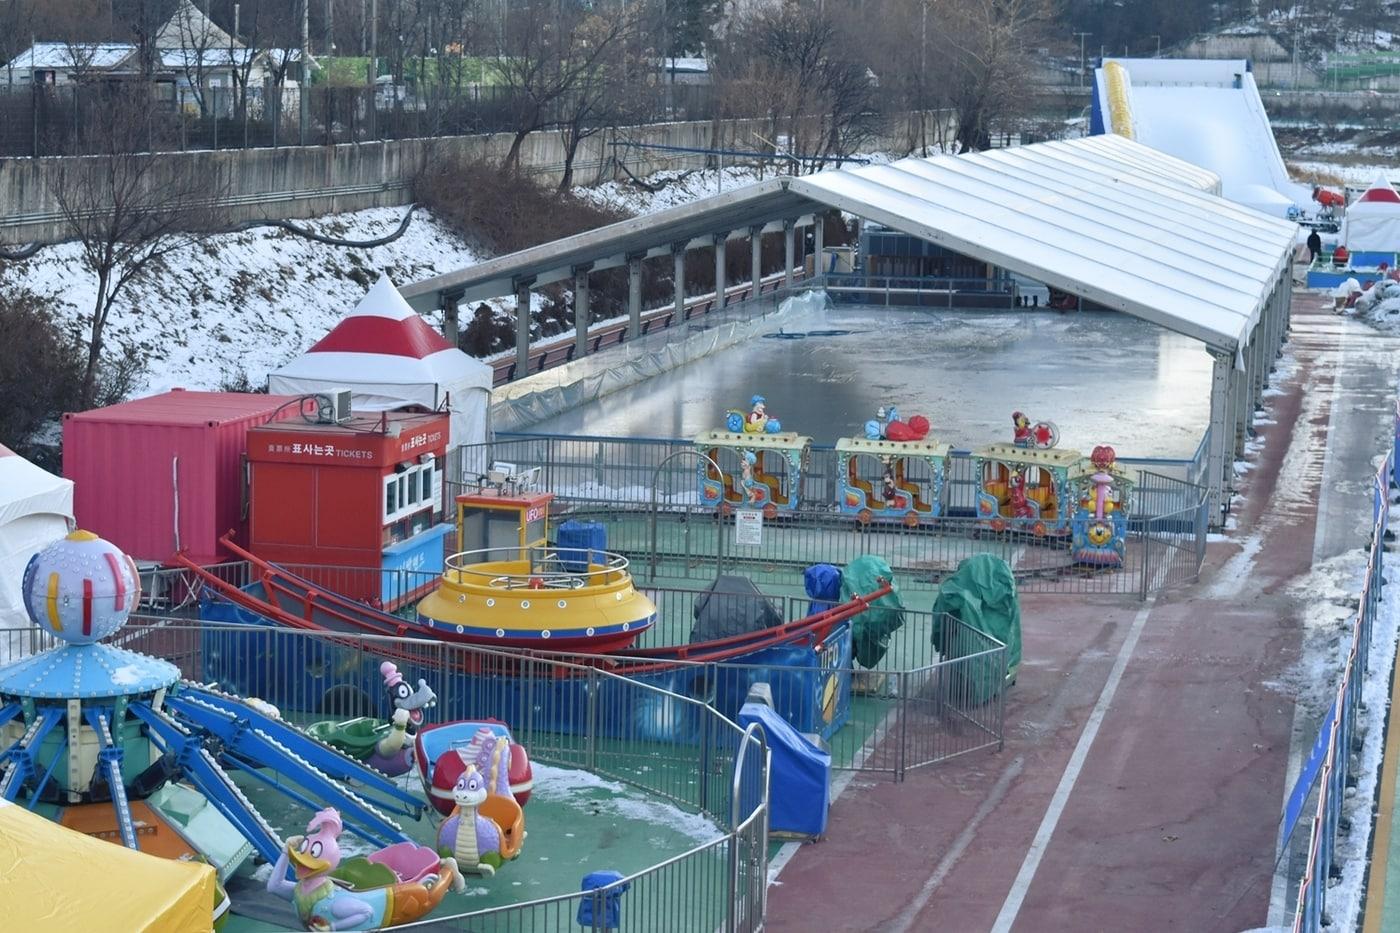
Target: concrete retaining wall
<point>297,182</point>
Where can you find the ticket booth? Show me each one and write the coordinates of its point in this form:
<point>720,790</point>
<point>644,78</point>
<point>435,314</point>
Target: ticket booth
<point>354,505</point>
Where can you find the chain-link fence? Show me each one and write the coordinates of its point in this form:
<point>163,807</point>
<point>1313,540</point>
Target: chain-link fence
<point>37,120</point>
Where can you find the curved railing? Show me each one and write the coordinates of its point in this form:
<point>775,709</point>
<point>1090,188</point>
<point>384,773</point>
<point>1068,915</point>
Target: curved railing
<point>547,568</point>
<point>701,761</point>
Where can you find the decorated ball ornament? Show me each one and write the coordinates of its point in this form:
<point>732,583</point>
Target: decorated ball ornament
<point>81,588</point>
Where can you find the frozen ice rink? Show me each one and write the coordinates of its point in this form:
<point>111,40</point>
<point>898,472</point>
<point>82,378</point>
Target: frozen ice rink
<point>1103,378</point>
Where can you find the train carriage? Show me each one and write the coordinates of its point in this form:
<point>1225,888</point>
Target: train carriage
<point>884,480</point>
<point>755,471</point>
<point>1025,488</point>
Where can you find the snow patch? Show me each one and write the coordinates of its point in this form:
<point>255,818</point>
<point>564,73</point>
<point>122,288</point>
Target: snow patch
<point>612,798</point>
<point>126,675</point>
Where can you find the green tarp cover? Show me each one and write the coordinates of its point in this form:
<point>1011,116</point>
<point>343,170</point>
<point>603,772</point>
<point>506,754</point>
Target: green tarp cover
<point>982,594</point>
<point>871,630</point>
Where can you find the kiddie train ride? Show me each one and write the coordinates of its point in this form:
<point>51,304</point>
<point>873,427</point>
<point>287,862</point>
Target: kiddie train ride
<point>99,738</point>
<point>896,472</point>
<point>753,463</point>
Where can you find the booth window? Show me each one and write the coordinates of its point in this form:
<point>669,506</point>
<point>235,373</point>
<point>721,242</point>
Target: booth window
<point>412,490</point>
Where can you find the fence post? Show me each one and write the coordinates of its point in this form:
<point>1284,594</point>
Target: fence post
<point>1146,556</point>
<point>592,726</point>
<point>900,760</point>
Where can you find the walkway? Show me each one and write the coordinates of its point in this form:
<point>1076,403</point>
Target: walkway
<point>1148,745</point>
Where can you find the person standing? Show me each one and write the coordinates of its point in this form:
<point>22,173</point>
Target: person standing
<point>1314,246</point>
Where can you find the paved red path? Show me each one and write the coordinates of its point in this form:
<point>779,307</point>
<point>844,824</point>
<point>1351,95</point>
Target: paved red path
<point>1171,824</point>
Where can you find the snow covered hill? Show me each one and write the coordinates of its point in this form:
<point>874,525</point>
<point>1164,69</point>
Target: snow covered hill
<point>239,305</point>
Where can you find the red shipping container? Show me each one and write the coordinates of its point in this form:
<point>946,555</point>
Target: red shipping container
<point>160,474</point>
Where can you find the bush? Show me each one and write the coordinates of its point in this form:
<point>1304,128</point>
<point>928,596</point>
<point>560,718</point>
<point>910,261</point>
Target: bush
<point>39,374</point>
<point>502,213</point>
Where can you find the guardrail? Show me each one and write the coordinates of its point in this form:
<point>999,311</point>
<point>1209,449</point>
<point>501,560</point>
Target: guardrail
<point>556,351</point>
<point>1327,768</point>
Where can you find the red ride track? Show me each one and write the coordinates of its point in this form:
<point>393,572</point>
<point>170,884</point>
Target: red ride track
<point>352,619</point>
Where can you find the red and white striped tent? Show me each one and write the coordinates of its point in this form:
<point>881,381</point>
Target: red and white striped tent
<point>390,358</point>
<point>36,508</point>
<point>1373,220</point>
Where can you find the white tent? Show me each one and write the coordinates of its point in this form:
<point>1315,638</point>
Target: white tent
<point>389,358</point>
<point>36,508</point>
<point>1372,221</point>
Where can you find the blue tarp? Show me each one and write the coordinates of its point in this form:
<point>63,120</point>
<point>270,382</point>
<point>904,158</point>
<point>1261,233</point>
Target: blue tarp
<point>823,583</point>
<point>799,782</point>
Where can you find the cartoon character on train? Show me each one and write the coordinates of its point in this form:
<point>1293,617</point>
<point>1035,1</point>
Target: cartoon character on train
<point>1103,492</point>
<point>752,463</point>
<point>1025,485</point>
<point>910,466</point>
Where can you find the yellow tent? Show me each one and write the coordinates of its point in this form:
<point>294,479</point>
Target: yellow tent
<point>52,878</point>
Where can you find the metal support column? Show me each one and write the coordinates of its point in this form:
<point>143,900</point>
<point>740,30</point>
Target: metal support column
<point>522,328</point>
<point>721,280</point>
<point>634,297</point>
<point>819,243</point>
<point>1220,427</point>
<point>1239,410</point>
<point>755,260</point>
<point>582,314</point>
<point>789,250</point>
<point>451,316</point>
<point>678,276</point>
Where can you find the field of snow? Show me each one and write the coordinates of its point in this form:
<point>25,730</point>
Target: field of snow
<point>239,305</point>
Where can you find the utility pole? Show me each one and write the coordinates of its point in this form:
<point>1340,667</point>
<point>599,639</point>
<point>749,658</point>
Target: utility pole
<point>330,27</point>
<point>372,69</point>
<point>1082,36</point>
<point>305,100</point>
<point>1159,45</point>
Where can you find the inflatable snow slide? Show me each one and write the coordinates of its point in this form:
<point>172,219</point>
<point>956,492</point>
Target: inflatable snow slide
<point>1206,112</point>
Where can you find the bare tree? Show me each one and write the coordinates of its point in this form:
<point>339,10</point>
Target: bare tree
<point>144,19</point>
<point>546,55</point>
<point>204,48</point>
<point>79,28</point>
<point>803,72</point>
<point>127,208</point>
<point>602,96</point>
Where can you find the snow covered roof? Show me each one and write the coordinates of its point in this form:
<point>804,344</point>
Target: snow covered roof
<point>73,55</point>
<point>188,27</point>
<point>389,357</point>
<point>1101,217</point>
<point>209,58</point>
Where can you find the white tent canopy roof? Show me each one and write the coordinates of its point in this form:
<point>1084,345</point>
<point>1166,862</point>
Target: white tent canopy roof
<point>1372,221</point>
<point>36,508</point>
<point>389,357</point>
<point>1101,217</point>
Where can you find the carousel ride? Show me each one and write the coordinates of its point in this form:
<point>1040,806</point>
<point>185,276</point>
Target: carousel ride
<point>115,744</point>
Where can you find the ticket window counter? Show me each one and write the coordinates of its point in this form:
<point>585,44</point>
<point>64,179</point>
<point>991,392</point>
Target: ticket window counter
<point>412,499</point>
<point>506,526</point>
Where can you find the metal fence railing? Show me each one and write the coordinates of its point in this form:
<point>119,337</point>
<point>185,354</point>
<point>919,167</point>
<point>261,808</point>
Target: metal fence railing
<point>1324,776</point>
<point>622,471</point>
<point>673,746</point>
<point>59,119</point>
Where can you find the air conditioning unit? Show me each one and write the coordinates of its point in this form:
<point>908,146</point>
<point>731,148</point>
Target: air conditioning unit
<point>333,406</point>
